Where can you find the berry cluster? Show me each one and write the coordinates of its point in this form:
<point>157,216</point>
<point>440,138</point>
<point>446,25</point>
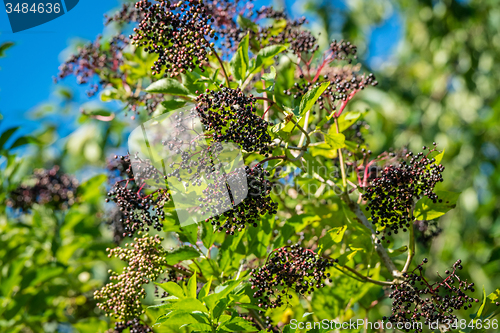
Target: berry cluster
<point>288,33</point>
<point>392,196</point>
<point>343,50</point>
<point>415,299</point>
<point>135,206</point>
<point>146,260</point>
<point>257,203</point>
<point>128,13</point>
<point>230,115</point>
<point>343,85</point>
<point>48,187</point>
<point>97,58</point>
<point>134,326</point>
<point>290,268</point>
<point>176,33</point>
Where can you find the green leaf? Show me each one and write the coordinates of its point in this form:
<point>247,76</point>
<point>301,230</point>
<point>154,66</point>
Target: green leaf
<point>333,236</point>
<point>238,66</point>
<point>239,324</point>
<point>4,47</point>
<point>199,327</point>
<point>310,98</point>
<point>191,286</point>
<point>398,251</point>
<point>239,62</point>
<point>271,75</point>
<point>219,308</point>
<point>247,24</point>
<point>24,140</point>
<point>168,86</point>
<point>182,253</point>
<point>205,289</point>
<point>172,288</point>
<point>265,57</point>
<point>173,104</point>
<point>347,119</point>
<point>324,150</point>
<point>335,140</point>
<point>426,210</point>
<point>6,135</point>
<point>346,257</point>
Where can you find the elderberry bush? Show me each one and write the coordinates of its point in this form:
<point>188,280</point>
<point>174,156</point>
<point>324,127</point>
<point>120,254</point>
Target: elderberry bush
<point>236,111</point>
<point>418,300</point>
<point>288,269</point>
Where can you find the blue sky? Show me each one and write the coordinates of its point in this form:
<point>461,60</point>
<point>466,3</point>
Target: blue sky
<point>26,73</point>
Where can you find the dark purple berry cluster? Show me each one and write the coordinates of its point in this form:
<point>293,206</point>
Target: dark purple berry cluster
<point>176,32</point>
<point>133,326</point>
<point>392,196</point>
<point>230,115</point>
<point>48,187</point>
<point>287,269</point>
<point>256,204</point>
<point>416,299</point>
<point>138,210</point>
<point>97,58</point>
<point>343,85</point>
<point>343,50</point>
<point>146,260</point>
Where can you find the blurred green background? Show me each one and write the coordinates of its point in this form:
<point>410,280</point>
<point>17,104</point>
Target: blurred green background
<point>438,64</point>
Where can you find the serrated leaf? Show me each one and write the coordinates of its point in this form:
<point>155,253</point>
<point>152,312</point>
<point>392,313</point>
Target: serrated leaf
<point>182,253</point>
<point>335,140</point>
<point>168,86</point>
<point>310,98</point>
<point>426,209</point>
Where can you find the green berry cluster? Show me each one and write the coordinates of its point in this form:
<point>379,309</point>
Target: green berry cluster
<point>146,260</point>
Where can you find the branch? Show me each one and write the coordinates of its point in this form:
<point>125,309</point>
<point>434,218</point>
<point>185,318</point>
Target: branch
<point>368,279</point>
<point>360,216</point>
<point>341,157</point>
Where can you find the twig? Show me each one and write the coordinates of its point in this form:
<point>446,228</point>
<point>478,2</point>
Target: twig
<point>222,65</point>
